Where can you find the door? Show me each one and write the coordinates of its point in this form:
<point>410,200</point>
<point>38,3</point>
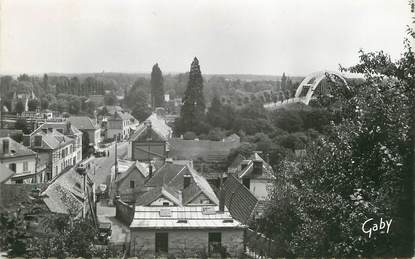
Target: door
<point>215,243</point>
<point>162,243</point>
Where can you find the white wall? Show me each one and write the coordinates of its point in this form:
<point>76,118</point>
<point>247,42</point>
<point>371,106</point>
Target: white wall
<point>260,188</point>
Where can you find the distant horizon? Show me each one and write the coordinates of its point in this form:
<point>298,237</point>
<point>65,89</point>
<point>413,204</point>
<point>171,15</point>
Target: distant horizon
<point>229,37</point>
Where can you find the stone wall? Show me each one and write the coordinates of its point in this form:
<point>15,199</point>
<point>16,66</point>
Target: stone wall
<point>185,243</point>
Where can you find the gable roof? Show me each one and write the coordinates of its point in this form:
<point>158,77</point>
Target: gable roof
<point>267,171</point>
<point>240,202</point>
<point>58,125</point>
<point>143,132</point>
<point>53,140</point>
<point>171,176</point>
<point>18,149</point>
<point>83,122</point>
<point>153,194</point>
<point>137,167</point>
<point>65,193</point>
<point>5,173</point>
<point>232,137</point>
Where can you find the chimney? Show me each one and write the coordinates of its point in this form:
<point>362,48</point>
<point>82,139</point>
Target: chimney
<point>186,180</point>
<point>26,140</point>
<point>221,195</point>
<point>6,146</point>
<point>150,171</point>
<point>68,126</point>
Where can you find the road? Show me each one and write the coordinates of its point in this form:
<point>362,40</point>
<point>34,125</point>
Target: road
<point>103,164</point>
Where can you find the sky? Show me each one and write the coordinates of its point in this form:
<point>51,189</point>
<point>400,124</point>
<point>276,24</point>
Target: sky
<point>228,36</point>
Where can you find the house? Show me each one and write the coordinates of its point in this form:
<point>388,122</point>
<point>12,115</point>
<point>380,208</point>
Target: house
<point>181,215</point>
<point>66,194</point>
<point>89,127</point>
<point>130,180</point>
<point>118,125</point>
<point>255,174</point>
<point>63,127</point>
<point>57,152</point>
<point>18,159</point>
<point>149,141</point>
<point>241,202</point>
<point>5,174</point>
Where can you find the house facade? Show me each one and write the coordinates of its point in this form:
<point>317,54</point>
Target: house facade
<point>149,141</point>
<point>18,159</point>
<point>59,146</point>
<point>179,214</point>
<point>255,174</point>
<point>118,125</point>
<point>87,126</point>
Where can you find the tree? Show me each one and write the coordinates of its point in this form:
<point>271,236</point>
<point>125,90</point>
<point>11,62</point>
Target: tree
<point>157,90</point>
<point>19,108</point>
<point>45,83</point>
<point>44,104</point>
<point>193,109</point>
<point>110,99</point>
<point>361,169</point>
<point>32,105</point>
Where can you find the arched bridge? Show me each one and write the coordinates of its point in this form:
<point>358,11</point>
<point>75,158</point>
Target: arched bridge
<point>305,90</point>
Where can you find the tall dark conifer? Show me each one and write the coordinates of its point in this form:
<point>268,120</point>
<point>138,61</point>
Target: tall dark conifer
<point>157,91</point>
<point>193,109</point>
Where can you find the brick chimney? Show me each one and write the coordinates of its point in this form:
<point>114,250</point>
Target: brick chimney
<point>6,146</point>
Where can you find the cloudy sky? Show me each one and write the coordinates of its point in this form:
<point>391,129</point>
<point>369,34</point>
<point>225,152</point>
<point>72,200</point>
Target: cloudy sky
<point>228,36</point>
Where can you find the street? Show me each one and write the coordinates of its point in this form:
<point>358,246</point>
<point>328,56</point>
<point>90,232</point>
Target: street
<point>103,164</point>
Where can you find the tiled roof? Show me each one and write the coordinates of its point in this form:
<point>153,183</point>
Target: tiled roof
<point>83,123</point>
<point>5,173</point>
<point>183,218</point>
<point>238,199</point>
<point>267,171</point>
<point>171,176</point>
<point>15,149</point>
<point>137,167</point>
<point>58,125</point>
<point>53,140</point>
<point>166,174</point>
<point>155,193</point>
<point>143,132</point>
<point>65,193</point>
<point>159,124</point>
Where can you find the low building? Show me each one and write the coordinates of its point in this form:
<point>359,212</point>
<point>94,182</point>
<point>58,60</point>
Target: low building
<point>180,215</point>
<point>89,127</point>
<point>130,180</point>
<point>254,173</point>
<point>18,159</point>
<point>147,143</point>
<point>118,125</point>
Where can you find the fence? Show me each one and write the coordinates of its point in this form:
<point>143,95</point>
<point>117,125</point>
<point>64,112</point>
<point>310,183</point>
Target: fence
<point>257,245</point>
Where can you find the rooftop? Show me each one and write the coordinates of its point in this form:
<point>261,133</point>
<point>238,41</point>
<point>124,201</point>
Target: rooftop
<point>15,149</point>
<point>83,122</point>
<point>183,218</point>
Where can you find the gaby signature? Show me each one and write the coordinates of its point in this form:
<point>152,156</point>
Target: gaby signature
<point>369,227</point>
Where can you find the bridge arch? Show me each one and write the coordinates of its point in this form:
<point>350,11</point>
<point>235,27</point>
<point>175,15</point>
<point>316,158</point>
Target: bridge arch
<point>318,77</point>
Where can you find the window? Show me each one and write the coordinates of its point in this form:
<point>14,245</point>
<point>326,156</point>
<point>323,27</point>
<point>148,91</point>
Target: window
<point>38,141</point>
<point>215,242</point>
<point>12,167</point>
<point>166,204</point>
<point>25,166</point>
<point>246,182</point>
<point>132,184</point>
<point>162,243</point>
